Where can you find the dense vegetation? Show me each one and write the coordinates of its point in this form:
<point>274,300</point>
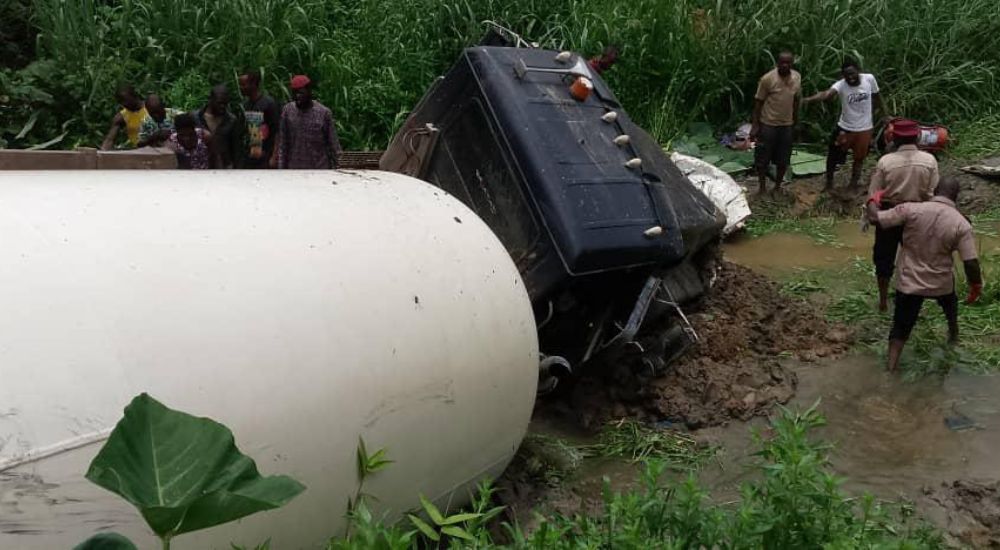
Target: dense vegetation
<point>795,503</point>
<point>681,59</point>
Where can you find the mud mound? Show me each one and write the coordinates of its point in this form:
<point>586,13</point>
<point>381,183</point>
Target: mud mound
<point>745,324</point>
<point>973,512</point>
<point>807,196</point>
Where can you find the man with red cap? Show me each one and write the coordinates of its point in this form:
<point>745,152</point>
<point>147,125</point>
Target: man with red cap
<point>308,138</point>
<point>907,175</point>
<point>932,232</point>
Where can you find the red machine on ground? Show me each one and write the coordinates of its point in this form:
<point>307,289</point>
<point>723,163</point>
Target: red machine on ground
<point>933,138</point>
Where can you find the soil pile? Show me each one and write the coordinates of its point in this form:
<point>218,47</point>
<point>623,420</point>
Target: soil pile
<point>745,325</point>
<point>807,196</point>
<point>973,512</point>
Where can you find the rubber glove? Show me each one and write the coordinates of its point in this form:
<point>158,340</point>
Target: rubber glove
<point>975,290</point>
<point>877,197</point>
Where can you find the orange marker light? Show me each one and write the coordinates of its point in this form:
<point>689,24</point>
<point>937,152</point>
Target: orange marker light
<point>581,88</point>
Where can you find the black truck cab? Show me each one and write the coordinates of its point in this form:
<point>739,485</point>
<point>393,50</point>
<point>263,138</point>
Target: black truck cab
<point>587,203</point>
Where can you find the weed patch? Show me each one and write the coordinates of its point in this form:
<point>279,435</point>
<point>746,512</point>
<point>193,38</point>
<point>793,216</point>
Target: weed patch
<point>796,503</point>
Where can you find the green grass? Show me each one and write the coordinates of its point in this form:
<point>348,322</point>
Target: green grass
<point>795,502</point>
<point>547,460</point>
<point>851,298</point>
<point>639,442</point>
<point>821,229</point>
<point>977,137</point>
<point>682,60</point>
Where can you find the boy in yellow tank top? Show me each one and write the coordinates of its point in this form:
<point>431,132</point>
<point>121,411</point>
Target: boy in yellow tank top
<point>130,118</point>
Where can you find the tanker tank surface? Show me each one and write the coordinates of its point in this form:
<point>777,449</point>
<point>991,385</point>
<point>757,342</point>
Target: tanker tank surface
<point>301,309</point>
<point>608,234</point>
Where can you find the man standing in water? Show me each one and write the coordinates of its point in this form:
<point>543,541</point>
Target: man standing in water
<point>907,175</point>
<point>308,139</point>
<point>858,94</point>
<point>775,114</point>
<point>932,232</point>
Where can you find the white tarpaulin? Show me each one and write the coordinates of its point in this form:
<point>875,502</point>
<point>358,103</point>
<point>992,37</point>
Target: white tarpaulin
<point>719,187</point>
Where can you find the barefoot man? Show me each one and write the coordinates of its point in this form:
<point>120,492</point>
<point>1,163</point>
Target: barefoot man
<point>775,114</point>
<point>932,232</point>
<point>907,175</point>
<point>859,98</point>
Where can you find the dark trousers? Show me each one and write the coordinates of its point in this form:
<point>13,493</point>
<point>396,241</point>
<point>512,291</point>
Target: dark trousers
<point>887,243</point>
<point>907,311</point>
<point>774,145</point>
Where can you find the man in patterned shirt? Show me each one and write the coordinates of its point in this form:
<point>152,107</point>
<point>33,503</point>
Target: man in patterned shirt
<point>308,138</point>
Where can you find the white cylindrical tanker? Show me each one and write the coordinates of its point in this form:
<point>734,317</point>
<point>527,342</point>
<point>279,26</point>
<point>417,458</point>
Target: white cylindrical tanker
<point>301,309</point>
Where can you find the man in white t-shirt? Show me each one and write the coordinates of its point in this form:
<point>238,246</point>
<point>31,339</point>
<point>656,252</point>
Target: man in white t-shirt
<point>859,97</point>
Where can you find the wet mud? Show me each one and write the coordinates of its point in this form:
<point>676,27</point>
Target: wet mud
<point>807,196</point>
<point>745,324</point>
<point>971,512</point>
<point>932,442</point>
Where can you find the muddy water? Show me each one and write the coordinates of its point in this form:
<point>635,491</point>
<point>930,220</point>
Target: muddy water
<point>783,254</point>
<point>892,438</point>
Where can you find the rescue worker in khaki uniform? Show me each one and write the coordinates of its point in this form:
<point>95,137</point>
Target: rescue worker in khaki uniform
<point>908,175</point>
<point>932,232</point>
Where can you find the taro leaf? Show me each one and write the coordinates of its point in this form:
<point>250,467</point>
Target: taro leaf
<point>807,164</point>
<point>106,541</point>
<point>182,472</point>
<point>810,168</point>
<point>803,156</point>
<point>733,167</point>
<point>686,148</point>
<point>712,159</point>
<point>700,130</point>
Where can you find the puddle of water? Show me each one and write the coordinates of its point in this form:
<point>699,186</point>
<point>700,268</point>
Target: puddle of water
<point>891,437</point>
<point>780,254</point>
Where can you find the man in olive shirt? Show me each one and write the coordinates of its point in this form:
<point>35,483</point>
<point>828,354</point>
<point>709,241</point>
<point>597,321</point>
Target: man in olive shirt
<point>908,175</point>
<point>775,114</point>
<point>932,232</point>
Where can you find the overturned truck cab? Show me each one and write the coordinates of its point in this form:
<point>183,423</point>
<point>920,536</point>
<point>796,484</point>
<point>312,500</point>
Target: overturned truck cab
<point>609,236</point>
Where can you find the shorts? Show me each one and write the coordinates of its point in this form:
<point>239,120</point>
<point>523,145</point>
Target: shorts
<point>774,145</point>
<point>842,141</point>
<point>887,243</point>
<point>908,306</point>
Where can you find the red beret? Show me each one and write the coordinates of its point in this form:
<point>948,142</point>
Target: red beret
<point>300,81</point>
<point>905,127</point>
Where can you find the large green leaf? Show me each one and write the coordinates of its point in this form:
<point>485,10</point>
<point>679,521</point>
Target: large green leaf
<point>106,541</point>
<point>810,168</point>
<point>182,472</point>
<point>807,164</point>
<point>686,148</point>
<point>733,167</point>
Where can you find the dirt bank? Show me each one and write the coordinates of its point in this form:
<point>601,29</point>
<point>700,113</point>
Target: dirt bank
<point>745,324</point>
<point>806,196</point>
<point>972,512</point>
